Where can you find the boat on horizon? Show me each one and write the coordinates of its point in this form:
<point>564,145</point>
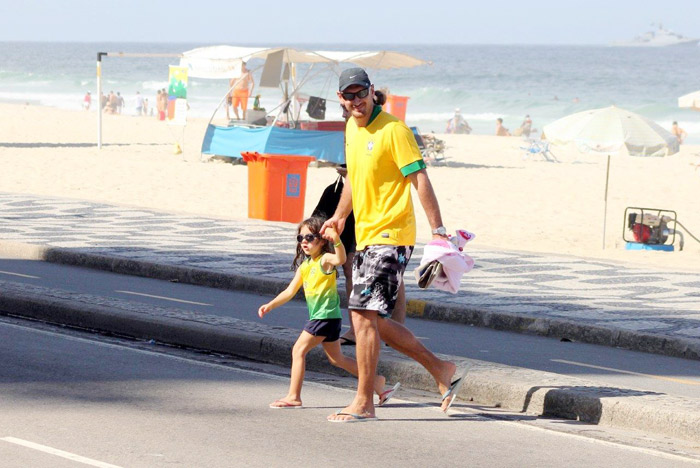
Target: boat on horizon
<point>658,38</point>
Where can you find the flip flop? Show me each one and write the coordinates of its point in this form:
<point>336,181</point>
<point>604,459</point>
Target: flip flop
<point>284,405</point>
<point>386,396</point>
<point>346,341</point>
<point>454,389</point>
<point>356,418</point>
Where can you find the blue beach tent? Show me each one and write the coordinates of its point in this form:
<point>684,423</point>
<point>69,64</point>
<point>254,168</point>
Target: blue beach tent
<point>231,141</point>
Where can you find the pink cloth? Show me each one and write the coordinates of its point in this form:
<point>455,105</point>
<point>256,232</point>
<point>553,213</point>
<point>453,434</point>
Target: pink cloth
<point>454,261</point>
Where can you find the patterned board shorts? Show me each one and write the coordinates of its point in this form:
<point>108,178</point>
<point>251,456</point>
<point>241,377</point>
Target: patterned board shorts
<point>377,273</point>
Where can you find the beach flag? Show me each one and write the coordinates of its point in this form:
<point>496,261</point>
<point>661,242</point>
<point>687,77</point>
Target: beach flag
<point>177,95</point>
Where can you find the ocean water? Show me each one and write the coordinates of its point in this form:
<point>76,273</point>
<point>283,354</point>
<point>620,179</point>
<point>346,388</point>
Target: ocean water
<point>484,81</point>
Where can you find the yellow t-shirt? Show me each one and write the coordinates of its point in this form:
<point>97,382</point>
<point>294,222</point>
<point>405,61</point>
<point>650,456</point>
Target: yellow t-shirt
<point>379,157</point>
<point>320,290</point>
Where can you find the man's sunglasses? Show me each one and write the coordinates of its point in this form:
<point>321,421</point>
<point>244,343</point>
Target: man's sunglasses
<point>360,94</point>
<point>308,237</point>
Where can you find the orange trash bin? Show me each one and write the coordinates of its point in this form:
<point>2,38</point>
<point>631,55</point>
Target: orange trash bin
<point>396,106</point>
<point>276,186</point>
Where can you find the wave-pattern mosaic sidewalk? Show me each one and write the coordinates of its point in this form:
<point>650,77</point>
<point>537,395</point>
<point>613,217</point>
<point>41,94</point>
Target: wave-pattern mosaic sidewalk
<point>574,290</point>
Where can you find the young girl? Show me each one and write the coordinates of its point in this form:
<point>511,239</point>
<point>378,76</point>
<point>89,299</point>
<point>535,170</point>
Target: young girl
<point>315,264</point>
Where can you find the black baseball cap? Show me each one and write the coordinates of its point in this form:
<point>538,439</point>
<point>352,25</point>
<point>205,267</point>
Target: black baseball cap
<point>353,76</point>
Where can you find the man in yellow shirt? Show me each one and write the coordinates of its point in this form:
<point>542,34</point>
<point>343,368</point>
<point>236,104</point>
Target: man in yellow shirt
<point>383,161</point>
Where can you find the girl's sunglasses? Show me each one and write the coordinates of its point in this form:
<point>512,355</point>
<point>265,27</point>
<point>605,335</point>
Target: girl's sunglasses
<point>360,94</point>
<point>307,237</point>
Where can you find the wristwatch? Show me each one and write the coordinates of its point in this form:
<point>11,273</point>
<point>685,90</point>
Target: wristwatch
<point>440,231</point>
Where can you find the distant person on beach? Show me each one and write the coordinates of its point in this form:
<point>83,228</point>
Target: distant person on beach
<point>164,96</point>
<point>500,129</point>
<point>457,124</point>
<point>139,103</point>
<point>315,264</point>
<point>145,106</point>
<point>243,87</point>
<point>161,104</point>
<point>111,106</point>
<point>679,133</point>
<point>87,100</point>
<point>526,126</point>
<point>378,192</point>
<point>120,102</point>
<point>103,101</point>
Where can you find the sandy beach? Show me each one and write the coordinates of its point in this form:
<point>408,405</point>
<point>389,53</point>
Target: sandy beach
<point>486,186</point>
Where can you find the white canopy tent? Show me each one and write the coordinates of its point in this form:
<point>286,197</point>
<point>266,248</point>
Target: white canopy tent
<point>691,101</point>
<point>223,61</point>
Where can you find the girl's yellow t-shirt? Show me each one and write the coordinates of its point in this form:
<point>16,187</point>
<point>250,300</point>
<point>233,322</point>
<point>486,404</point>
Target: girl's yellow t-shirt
<point>320,290</point>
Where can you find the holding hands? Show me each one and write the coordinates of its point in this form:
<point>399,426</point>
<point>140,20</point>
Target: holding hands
<point>330,234</point>
<point>334,223</point>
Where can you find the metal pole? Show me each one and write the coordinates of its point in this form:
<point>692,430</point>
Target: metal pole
<point>98,98</point>
<point>605,209</point>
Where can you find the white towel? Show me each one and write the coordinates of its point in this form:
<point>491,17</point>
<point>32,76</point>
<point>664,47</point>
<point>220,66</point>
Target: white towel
<point>452,258</point>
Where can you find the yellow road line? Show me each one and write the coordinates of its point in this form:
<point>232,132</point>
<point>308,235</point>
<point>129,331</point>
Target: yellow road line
<point>651,376</point>
<point>415,308</point>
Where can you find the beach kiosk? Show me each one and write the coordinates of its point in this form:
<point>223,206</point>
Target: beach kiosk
<point>279,152</point>
<point>290,70</point>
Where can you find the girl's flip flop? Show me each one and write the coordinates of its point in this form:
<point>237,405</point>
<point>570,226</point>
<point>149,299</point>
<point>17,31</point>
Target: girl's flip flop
<point>280,404</point>
<point>386,396</point>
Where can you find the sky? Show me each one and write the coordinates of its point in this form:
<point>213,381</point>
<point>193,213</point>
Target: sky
<point>267,22</point>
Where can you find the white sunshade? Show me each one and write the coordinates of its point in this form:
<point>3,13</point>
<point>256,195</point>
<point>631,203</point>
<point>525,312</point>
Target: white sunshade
<point>610,129</point>
<point>216,62</point>
<point>382,59</point>
<point>224,61</point>
<point>691,101</point>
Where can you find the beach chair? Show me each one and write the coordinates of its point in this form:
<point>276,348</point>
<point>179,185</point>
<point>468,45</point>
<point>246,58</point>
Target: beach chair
<point>541,148</point>
<point>431,149</point>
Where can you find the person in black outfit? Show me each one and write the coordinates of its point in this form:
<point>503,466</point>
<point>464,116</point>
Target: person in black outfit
<point>324,209</point>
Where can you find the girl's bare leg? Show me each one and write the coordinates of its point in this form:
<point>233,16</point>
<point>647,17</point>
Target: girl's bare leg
<point>305,343</point>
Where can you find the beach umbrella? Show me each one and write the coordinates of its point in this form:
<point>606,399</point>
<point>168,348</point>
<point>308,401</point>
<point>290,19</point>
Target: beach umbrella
<point>612,130</point>
<point>690,101</point>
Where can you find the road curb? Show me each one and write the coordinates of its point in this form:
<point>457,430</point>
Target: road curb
<point>634,340</point>
<point>515,389</point>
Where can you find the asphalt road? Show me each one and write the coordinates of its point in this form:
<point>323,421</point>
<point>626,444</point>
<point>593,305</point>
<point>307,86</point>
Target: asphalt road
<point>72,399</point>
<point>604,365</point>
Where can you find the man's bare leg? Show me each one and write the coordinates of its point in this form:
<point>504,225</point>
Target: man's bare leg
<point>401,339</point>
<point>399,313</point>
<point>367,354</point>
